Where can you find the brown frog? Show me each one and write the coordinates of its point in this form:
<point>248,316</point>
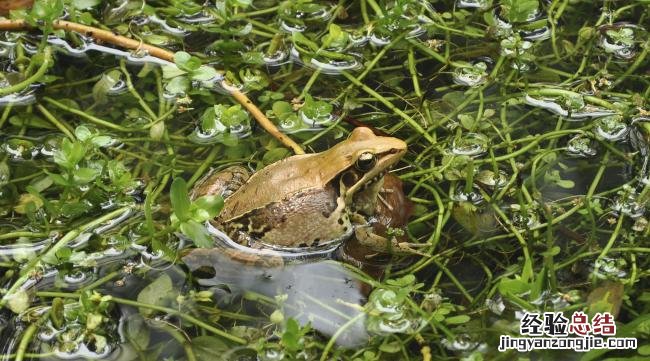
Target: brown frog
<point>8,5</point>
<point>311,200</point>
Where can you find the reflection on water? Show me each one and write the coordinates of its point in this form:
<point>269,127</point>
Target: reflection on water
<point>322,293</point>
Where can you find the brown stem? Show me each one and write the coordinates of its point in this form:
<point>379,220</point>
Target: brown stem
<point>128,43</point>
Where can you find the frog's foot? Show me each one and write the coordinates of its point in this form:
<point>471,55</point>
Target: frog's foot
<point>368,238</point>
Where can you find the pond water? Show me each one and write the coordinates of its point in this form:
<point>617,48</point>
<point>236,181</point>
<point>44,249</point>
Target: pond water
<point>524,188</point>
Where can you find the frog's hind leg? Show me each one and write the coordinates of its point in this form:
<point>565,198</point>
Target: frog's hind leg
<point>221,183</point>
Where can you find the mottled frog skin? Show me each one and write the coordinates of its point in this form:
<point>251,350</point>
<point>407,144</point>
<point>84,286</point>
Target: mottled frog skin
<point>8,5</point>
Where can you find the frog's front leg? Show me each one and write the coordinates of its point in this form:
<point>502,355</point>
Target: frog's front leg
<point>366,236</point>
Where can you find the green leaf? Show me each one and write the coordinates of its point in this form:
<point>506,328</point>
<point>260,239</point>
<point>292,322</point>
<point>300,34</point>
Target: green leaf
<point>209,348</point>
<point>75,209</point>
<point>85,4</point>
<point>390,347</point>
<point>513,286</point>
<point>18,301</point>
<point>86,175</point>
<point>554,251</point>
<point>180,199</point>
<point>178,85</point>
<point>101,140</point>
<point>82,133</point>
<point>457,320</point>
<point>137,332</point>
<point>291,337</point>
<point>241,3</point>
<point>282,109</point>
<point>519,11</point>
<point>104,85</point>
<point>181,58</point>
<point>69,154</point>
<point>5,173</point>
<point>172,71</point>
<point>275,155</point>
<point>46,10</point>
<point>644,350</point>
<point>234,115</point>
<point>253,57</point>
<point>316,110</point>
<point>197,233</point>
<point>405,281</point>
<point>58,179</point>
<point>156,293</point>
<point>337,38</point>
<point>212,204</point>
<point>31,121</point>
<point>204,73</point>
<point>56,312</point>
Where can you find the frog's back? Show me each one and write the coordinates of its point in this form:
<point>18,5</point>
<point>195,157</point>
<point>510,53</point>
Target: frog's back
<point>298,173</point>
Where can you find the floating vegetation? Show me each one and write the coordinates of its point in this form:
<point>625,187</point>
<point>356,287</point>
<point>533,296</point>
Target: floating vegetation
<point>126,125</point>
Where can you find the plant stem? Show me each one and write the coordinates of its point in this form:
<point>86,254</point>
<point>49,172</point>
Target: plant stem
<point>410,121</point>
<point>51,252</point>
<point>64,128</point>
<point>47,61</point>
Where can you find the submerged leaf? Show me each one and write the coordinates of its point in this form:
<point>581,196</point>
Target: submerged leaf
<point>157,293</point>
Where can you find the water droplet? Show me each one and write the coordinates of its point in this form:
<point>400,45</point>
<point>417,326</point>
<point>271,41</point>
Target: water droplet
<point>470,144</point>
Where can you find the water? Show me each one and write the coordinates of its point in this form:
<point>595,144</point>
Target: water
<point>535,140</point>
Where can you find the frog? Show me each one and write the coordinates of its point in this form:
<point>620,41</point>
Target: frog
<point>7,5</point>
<point>308,200</point>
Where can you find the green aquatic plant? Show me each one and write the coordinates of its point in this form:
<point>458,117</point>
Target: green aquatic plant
<point>527,130</point>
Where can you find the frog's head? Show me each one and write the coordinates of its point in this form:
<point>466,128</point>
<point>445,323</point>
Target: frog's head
<point>363,159</point>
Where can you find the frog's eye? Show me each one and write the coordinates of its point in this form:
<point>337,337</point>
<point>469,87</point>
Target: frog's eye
<point>366,161</point>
